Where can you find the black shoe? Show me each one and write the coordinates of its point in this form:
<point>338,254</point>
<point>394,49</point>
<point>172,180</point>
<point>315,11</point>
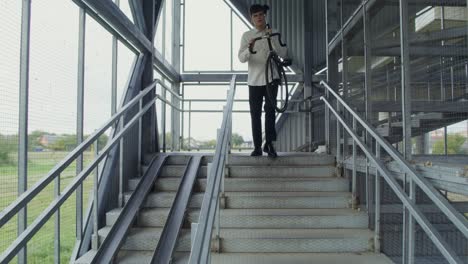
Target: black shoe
<point>256,152</point>
<point>270,149</point>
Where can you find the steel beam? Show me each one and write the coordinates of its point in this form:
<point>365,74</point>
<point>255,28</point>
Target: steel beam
<point>112,18</point>
<point>226,77</point>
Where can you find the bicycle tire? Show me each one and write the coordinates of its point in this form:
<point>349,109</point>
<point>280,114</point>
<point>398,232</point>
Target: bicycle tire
<point>272,60</point>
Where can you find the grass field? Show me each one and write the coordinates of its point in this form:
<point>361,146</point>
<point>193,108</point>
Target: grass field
<point>41,247</point>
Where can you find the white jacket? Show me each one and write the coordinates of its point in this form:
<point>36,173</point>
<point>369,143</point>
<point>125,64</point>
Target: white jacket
<point>257,61</point>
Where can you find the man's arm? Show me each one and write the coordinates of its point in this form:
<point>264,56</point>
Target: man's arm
<point>244,53</point>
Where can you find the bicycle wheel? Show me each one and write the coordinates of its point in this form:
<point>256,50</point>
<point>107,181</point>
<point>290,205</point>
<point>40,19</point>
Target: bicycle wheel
<point>273,63</point>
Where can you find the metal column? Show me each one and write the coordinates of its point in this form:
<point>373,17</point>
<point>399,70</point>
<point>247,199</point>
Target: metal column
<point>22,220</point>
<point>408,222</point>
<point>114,71</point>
<point>79,121</point>
<point>368,92</point>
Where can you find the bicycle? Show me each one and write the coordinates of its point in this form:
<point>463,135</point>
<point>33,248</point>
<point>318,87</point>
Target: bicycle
<point>274,61</point>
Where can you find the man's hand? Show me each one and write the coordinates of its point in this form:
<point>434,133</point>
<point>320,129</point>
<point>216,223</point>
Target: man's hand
<point>268,31</point>
<point>251,44</point>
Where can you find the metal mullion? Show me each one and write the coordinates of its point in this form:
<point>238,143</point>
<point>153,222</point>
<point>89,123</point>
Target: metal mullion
<point>22,220</point>
<point>231,41</point>
<point>163,117</point>
<point>96,198</point>
<point>368,85</point>
<point>163,27</point>
<point>354,175</point>
<point>80,118</point>
<point>114,71</point>
<point>408,238</point>
<point>377,203</point>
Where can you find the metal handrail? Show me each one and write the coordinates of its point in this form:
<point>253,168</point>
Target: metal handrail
<point>455,217</point>
<point>163,85</point>
<point>27,196</point>
<point>202,242</point>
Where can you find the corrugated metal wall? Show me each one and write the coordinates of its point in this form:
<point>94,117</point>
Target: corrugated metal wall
<point>288,18</point>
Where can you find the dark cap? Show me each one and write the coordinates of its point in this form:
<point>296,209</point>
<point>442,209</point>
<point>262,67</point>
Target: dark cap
<point>257,8</point>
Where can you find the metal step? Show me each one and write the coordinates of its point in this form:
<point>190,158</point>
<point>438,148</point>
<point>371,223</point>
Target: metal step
<point>143,257</point>
<point>240,200</point>
<point>264,240</point>
<point>258,171</point>
<point>281,171</point>
<point>327,184</point>
<point>260,218</point>
<point>289,159</point>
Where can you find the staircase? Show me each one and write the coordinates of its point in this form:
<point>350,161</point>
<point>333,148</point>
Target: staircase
<point>292,209</point>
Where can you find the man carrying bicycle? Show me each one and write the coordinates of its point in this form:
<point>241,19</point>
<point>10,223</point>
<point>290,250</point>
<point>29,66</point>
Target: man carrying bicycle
<point>256,79</point>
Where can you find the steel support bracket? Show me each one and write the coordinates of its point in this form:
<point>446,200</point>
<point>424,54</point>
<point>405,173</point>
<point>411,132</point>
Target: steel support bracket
<point>216,244</point>
<point>222,201</point>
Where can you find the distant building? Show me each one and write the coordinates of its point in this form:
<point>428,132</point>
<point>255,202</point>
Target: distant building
<point>47,140</point>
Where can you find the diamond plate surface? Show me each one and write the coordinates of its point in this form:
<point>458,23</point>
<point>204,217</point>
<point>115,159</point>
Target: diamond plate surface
<point>289,221</point>
<point>281,171</point>
<point>286,202</point>
<point>177,160</point>
<point>147,239</point>
<point>295,245</point>
<point>295,240</point>
<point>173,171</point>
<point>265,184</point>
<point>296,159</point>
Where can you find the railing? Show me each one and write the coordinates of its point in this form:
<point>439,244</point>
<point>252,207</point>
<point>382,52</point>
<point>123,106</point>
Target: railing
<point>201,247</point>
<point>117,120</point>
<point>186,106</point>
<point>412,178</point>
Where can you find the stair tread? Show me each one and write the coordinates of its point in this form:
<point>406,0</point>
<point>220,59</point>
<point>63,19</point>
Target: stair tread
<point>257,212</point>
<point>133,257</point>
<point>276,233</point>
<point>261,194</point>
<point>278,179</point>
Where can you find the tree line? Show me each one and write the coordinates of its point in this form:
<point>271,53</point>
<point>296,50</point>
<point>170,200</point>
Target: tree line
<point>36,142</point>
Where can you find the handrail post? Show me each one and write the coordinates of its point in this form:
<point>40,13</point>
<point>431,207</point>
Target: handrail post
<point>140,124</point>
<point>163,115</point>
<point>327,124</point>
<point>121,160</point>
<point>189,125</point>
<point>353,183</point>
<point>57,223</point>
<point>377,203</point>
<point>95,243</point>
<point>339,157</point>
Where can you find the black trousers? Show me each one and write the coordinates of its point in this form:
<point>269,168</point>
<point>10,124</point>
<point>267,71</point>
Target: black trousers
<point>256,95</point>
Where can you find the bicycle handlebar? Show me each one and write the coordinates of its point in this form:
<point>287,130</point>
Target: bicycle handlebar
<point>268,37</point>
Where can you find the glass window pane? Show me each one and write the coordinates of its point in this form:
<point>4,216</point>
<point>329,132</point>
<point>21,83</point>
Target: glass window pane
<point>207,45</point>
